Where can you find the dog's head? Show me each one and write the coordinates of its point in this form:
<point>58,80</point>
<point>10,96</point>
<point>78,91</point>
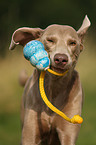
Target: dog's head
<point>63,43</point>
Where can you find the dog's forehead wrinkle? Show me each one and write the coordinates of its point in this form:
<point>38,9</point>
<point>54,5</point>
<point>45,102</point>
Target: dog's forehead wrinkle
<point>56,26</point>
<point>60,28</point>
<point>61,31</point>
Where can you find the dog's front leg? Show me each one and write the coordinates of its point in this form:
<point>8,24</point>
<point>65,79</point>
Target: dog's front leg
<point>68,135</point>
<point>30,132</point>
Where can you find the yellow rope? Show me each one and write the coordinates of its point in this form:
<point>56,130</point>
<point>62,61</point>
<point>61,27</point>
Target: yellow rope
<point>55,73</point>
<point>75,119</point>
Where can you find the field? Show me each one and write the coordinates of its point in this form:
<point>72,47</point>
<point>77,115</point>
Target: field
<point>11,92</point>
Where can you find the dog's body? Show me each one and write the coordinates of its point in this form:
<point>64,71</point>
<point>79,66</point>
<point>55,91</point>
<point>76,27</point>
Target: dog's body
<point>40,124</point>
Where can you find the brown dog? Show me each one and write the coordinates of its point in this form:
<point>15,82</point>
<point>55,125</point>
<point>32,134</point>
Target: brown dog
<point>40,124</point>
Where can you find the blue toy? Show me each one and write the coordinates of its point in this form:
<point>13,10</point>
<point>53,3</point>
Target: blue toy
<point>35,52</point>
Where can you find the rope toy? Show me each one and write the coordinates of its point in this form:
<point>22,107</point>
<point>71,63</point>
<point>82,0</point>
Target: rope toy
<point>35,52</point>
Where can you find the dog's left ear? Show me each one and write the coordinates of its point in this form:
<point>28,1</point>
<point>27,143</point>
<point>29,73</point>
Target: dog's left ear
<point>83,29</point>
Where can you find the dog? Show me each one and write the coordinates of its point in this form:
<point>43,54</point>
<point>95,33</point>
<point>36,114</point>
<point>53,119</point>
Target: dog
<point>40,125</point>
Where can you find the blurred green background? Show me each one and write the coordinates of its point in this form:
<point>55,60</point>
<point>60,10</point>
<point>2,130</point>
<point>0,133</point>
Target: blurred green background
<point>41,13</point>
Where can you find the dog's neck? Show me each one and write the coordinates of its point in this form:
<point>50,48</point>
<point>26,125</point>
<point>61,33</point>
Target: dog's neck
<point>53,79</point>
<point>56,84</point>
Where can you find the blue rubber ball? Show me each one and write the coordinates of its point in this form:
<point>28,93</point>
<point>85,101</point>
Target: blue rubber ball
<point>43,63</point>
<point>36,57</point>
<point>34,52</point>
<point>31,48</point>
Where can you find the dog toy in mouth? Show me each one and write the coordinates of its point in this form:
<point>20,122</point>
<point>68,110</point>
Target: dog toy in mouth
<point>35,52</point>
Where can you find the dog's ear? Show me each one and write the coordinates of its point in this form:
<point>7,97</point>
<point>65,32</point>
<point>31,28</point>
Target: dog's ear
<point>84,27</point>
<point>23,35</point>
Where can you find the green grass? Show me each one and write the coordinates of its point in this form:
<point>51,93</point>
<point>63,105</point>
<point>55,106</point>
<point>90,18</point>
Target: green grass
<point>11,92</point>
<point>88,129</point>
<point>10,128</point>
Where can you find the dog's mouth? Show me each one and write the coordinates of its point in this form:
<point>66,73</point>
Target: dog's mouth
<point>57,69</point>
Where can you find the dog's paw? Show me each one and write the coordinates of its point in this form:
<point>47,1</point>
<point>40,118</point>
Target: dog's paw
<point>35,52</point>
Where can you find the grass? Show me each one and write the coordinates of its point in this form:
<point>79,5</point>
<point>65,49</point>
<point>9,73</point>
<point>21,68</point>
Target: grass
<point>88,132</point>
<point>11,92</point>
<point>9,128</point>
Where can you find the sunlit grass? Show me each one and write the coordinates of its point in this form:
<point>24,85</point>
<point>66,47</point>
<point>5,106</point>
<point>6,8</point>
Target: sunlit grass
<point>11,92</point>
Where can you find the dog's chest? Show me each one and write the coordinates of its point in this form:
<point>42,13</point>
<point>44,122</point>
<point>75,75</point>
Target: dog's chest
<point>56,92</point>
<point>47,122</point>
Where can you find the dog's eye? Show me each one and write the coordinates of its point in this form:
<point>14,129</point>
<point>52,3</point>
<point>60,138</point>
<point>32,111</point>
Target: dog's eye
<point>50,40</point>
<point>72,43</point>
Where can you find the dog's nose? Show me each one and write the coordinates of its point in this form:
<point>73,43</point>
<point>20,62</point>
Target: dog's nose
<point>61,59</point>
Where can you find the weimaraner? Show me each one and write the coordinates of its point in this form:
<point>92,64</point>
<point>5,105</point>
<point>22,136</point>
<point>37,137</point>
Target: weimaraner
<point>40,125</point>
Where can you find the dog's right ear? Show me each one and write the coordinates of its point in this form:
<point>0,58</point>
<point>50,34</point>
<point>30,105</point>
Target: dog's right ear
<point>23,35</point>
